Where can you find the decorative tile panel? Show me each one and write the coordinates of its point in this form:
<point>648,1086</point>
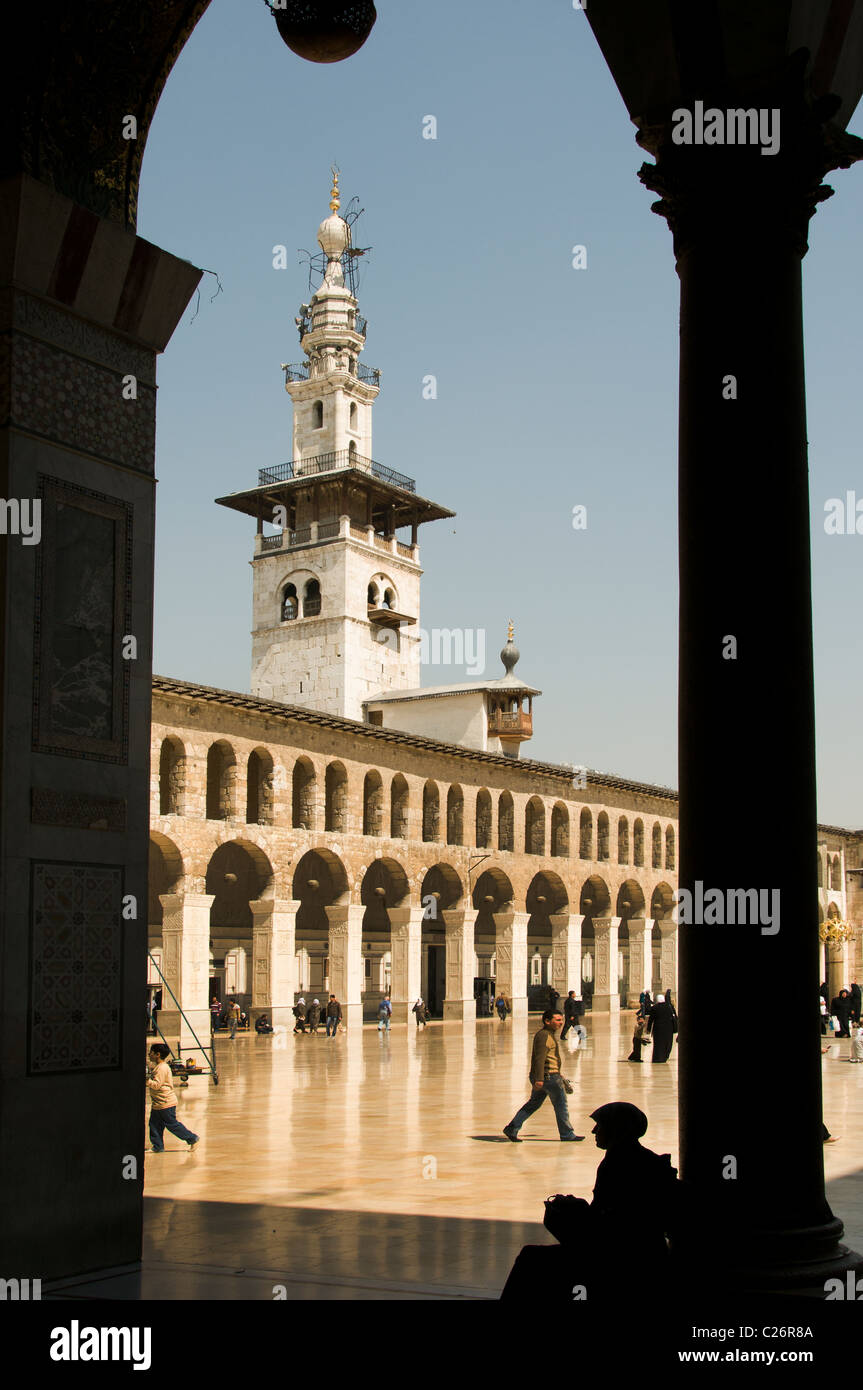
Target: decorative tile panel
<point>76,957</point>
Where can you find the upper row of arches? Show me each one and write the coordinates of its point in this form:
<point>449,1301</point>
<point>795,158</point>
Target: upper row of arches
<point>385,811</point>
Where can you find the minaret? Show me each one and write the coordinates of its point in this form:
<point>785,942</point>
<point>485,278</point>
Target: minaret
<point>336,591</point>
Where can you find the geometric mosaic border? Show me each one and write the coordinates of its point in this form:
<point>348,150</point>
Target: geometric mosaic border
<point>76,968</point>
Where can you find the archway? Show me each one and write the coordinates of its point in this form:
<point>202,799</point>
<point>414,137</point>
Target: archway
<point>319,881</point>
<point>385,885</point>
<point>441,890</point>
<point>238,874</point>
<point>546,895</point>
<point>492,892</point>
<point>594,901</point>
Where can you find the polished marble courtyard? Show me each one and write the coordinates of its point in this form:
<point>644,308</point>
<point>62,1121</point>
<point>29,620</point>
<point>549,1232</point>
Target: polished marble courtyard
<point>372,1166</point>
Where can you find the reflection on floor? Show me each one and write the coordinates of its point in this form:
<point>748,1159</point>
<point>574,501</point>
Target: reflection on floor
<point>372,1166</point>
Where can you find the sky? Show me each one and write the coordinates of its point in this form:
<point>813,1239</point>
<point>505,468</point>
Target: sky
<point>556,386</point>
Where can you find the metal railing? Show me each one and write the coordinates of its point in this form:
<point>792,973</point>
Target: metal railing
<point>272,542</point>
<point>370,375</point>
<point>333,462</point>
<point>311,607</point>
<point>327,529</point>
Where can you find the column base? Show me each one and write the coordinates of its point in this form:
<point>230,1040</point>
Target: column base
<point>352,1017</point>
<point>605,1004</point>
<point>199,1019</point>
<point>459,1010</point>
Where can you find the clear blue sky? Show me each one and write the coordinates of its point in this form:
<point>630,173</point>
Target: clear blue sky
<point>556,387</point>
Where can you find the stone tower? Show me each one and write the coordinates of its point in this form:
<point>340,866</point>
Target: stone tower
<point>336,593</point>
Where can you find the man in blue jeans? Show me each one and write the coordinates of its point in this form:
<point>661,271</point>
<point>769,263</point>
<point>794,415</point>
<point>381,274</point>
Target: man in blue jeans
<point>385,1010</point>
<point>163,1110</point>
<point>545,1081</point>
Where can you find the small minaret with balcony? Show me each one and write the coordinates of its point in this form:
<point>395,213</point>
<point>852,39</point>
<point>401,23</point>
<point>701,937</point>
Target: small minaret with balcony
<point>336,588</point>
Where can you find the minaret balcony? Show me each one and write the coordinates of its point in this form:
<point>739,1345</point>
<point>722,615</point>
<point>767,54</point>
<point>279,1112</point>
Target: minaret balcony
<point>371,376</point>
<point>333,462</point>
<point>504,724</point>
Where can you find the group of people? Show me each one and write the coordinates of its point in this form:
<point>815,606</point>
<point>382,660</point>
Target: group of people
<point>845,1008</point>
<point>655,1022</point>
<point>311,1016</point>
<point>231,1016</point>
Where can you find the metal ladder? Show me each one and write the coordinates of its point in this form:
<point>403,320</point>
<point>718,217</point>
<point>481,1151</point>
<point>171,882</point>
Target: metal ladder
<point>209,1054</point>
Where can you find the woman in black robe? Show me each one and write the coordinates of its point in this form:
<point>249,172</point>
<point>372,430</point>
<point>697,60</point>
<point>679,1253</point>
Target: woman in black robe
<point>841,1008</point>
<point>662,1025</point>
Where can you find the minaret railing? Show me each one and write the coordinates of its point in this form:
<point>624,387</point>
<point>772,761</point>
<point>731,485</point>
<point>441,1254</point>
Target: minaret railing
<point>332,462</point>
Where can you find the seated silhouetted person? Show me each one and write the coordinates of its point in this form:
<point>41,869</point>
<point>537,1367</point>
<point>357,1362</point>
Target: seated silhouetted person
<point>637,1203</point>
<point>263,1025</point>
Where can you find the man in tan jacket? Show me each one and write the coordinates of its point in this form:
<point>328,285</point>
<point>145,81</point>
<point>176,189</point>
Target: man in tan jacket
<point>546,1081</point>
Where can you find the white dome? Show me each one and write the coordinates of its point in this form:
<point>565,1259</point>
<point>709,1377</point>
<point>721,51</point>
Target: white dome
<point>334,237</point>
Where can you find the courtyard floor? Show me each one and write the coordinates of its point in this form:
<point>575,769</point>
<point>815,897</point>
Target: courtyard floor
<point>372,1166</point>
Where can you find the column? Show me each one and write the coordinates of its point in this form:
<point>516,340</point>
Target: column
<point>566,952</point>
<point>85,307</point>
<point>459,1003</point>
<point>346,959</point>
<point>406,932</point>
<point>274,960</point>
<point>186,968</point>
<point>640,957</point>
<point>740,226</point>
<point>511,953</point>
<point>668,956</point>
<point>606,990</point>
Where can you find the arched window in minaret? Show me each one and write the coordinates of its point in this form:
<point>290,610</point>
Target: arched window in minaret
<point>431,812</point>
<point>354,415</point>
<point>318,415</point>
<point>373,595</point>
<point>290,603</point>
<point>389,599</point>
<point>312,599</point>
<point>505,822</point>
<point>586,835</point>
<point>352,449</point>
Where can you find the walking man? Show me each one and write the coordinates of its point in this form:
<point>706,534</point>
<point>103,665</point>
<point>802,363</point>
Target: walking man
<point>385,1010</point>
<point>233,1018</point>
<point>163,1108</point>
<point>334,1015</point>
<point>570,1013</point>
<point>545,1080</point>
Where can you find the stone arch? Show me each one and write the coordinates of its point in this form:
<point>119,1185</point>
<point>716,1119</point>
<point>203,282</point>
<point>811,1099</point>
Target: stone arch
<point>455,815</point>
<point>317,415</point>
<point>319,881</point>
<point>603,837</point>
<point>303,786</point>
<point>336,798</point>
<point>221,781</point>
<point>373,803</point>
<point>546,895</point>
<point>505,822</point>
<point>638,844</point>
<point>585,834</point>
<point>559,831</point>
<point>492,892</point>
<point>662,902</point>
<point>312,598</point>
<point>483,819</point>
<point>172,777</point>
<point>630,901</point>
<point>431,812</point>
<point>657,845</point>
<point>595,899</point>
<point>238,874</point>
<point>443,883</point>
<point>289,604</point>
<point>399,799</point>
<point>534,826</point>
<point>166,874</point>
<point>260,788</point>
<point>384,885</point>
<point>670,855</point>
<point>622,840</point>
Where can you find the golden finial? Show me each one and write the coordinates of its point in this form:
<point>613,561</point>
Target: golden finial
<point>335,199</point>
<point>511,633</point>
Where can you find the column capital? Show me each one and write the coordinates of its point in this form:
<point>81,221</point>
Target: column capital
<point>707,188</point>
